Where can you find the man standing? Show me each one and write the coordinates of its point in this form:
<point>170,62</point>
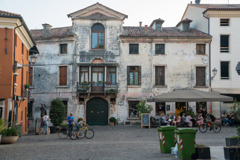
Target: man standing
<point>70,120</point>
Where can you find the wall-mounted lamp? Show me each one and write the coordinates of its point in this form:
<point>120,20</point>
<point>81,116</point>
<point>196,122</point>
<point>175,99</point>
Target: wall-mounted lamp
<point>33,59</point>
<point>238,68</point>
<point>214,71</point>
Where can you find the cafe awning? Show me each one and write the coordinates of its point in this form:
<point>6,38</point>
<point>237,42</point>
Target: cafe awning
<point>191,95</point>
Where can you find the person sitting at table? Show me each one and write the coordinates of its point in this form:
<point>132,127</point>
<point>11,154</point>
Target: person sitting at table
<point>171,118</point>
<point>225,119</point>
<point>200,119</point>
<point>178,121</point>
<point>188,120</point>
<point>164,121</point>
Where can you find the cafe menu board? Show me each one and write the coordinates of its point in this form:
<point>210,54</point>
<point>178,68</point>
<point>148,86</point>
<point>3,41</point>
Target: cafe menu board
<point>145,119</point>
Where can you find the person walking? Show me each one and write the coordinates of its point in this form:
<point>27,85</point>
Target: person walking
<point>45,120</point>
<point>70,120</point>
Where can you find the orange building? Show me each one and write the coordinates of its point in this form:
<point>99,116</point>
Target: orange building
<point>15,46</point>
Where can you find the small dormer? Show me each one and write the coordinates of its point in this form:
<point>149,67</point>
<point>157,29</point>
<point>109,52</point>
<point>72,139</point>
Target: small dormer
<point>184,25</point>
<point>157,24</point>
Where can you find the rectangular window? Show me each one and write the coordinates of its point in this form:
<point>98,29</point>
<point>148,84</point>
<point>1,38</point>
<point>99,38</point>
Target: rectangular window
<point>63,48</point>
<point>160,108</point>
<point>159,48</point>
<point>133,48</point>
<point>160,75</point>
<point>134,75</point>
<point>200,76</point>
<point>224,44</point>
<point>224,22</point>
<point>224,70</point>
<point>200,49</point>
<point>30,109</point>
<point>133,112</point>
<point>111,75</point>
<point>84,74</point>
<point>30,76</point>
<point>62,75</point>
<point>22,48</point>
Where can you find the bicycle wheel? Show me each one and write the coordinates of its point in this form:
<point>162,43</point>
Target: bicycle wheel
<point>81,134</point>
<point>73,135</point>
<point>203,128</point>
<point>89,134</point>
<point>216,128</point>
<point>63,133</point>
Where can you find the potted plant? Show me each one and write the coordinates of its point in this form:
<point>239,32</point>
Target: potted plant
<point>27,86</point>
<point>143,107</point>
<point>3,126</point>
<point>85,86</point>
<point>112,121</point>
<point>10,135</point>
<point>233,151</point>
<point>202,152</point>
<point>108,83</point>
<point>57,114</point>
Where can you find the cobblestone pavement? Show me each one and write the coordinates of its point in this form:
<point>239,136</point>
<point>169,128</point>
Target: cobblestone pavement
<point>119,142</point>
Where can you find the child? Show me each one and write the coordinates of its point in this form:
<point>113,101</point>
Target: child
<point>80,124</point>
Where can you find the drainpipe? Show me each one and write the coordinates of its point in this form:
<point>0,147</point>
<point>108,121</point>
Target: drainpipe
<point>210,76</point>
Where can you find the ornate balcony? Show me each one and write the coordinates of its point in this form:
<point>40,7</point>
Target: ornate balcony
<point>91,87</point>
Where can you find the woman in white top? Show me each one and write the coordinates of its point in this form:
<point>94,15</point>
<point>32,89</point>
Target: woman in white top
<point>45,120</point>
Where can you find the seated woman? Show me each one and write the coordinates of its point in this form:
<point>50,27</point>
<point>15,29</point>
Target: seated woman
<point>178,121</point>
<point>171,118</point>
<point>188,120</point>
<point>164,121</point>
<point>200,119</point>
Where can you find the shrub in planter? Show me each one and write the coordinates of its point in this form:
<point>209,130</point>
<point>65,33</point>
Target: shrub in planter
<point>112,121</point>
<point>203,152</point>
<point>232,141</point>
<point>10,135</point>
<point>57,112</point>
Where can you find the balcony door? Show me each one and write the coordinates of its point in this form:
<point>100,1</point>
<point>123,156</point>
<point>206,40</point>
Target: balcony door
<point>98,78</point>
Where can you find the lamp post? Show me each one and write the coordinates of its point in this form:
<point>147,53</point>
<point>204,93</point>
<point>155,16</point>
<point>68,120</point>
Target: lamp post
<point>238,68</point>
<point>214,71</point>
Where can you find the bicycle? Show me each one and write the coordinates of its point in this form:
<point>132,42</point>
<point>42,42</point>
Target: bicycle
<point>204,127</point>
<point>64,133</point>
<point>84,132</point>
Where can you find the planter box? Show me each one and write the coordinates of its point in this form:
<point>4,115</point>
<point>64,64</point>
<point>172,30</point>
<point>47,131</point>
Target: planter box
<point>231,141</point>
<point>232,153</point>
<point>111,123</point>
<point>203,153</point>
<point>9,139</point>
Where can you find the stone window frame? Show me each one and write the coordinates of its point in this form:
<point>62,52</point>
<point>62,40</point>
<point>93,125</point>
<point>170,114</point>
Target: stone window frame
<point>222,71</point>
<point>138,70</point>
<point>200,49</point>
<point>224,22</point>
<point>130,110</point>
<point>98,36</point>
<point>63,48</point>
<point>159,51</point>
<point>164,76</point>
<point>133,48</point>
<point>200,81</point>
<point>223,48</point>
<point>80,71</point>
<point>65,83</point>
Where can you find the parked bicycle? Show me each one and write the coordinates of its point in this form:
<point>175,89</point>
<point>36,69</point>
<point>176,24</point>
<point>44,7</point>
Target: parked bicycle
<point>204,127</point>
<point>83,132</point>
<point>64,133</point>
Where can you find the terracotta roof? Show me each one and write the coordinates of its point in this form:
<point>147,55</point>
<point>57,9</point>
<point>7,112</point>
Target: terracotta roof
<point>166,32</point>
<point>9,14</point>
<point>217,6</point>
<point>55,33</point>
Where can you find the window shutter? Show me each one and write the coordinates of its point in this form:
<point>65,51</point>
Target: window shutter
<point>200,76</point>
<point>128,75</point>
<point>162,75</point>
<point>63,76</point>
<point>139,75</point>
<point>157,75</point>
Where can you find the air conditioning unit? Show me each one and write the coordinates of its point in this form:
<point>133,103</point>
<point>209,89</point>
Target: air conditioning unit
<point>15,74</point>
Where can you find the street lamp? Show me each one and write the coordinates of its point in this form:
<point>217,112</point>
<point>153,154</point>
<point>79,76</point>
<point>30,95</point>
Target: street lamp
<point>214,71</point>
<point>238,68</point>
<point>33,59</point>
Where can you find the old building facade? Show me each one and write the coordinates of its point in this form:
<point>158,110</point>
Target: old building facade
<point>15,43</point>
<point>221,21</point>
<point>100,68</point>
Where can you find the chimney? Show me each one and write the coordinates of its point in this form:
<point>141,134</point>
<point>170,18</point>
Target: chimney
<point>46,29</point>
<point>140,24</point>
<point>197,2</point>
<point>146,28</point>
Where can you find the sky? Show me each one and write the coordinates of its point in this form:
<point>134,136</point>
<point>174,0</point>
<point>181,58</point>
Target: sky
<point>54,12</point>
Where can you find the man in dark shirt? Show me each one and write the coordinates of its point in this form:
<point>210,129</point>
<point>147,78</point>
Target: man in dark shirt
<point>204,112</point>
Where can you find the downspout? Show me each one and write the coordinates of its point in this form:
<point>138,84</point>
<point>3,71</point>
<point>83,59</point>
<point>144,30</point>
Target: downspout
<point>210,76</point>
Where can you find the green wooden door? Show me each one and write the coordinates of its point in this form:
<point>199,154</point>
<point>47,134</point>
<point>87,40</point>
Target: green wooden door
<point>97,111</point>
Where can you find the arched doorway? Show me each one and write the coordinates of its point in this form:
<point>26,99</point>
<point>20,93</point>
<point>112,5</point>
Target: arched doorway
<point>97,112</point>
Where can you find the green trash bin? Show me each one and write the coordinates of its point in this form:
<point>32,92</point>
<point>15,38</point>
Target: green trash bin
<point>166,138</point>
<point>186,142</point>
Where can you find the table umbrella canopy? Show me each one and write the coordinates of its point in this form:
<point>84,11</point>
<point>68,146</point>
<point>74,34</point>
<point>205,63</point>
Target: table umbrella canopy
<point>191,95</point>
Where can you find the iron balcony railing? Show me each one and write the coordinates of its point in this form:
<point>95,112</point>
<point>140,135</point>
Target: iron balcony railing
<point>93,88</point>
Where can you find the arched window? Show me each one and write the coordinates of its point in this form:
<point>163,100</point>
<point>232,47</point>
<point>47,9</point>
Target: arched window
<point>98,37</point>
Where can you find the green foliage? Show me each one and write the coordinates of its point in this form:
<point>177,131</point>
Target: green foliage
<point>191,112</point>
<point>13,131</point>
<point>143,107</point>
<point>27,85</point>
<point>112,119</point>
<point>85,86</point>
<point>64,125</point>
<point>3,125</point>
<point>236,105</point>
<point>233,137</point>
<point>57,112</point>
